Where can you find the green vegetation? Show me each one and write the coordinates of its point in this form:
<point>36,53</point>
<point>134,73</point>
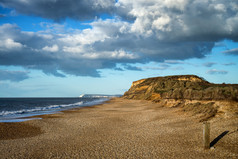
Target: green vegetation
<point>192,93</point>
<point>183,87</point>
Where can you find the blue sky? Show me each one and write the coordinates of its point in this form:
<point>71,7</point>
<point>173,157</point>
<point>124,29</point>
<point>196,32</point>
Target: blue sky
<point>60,48</point>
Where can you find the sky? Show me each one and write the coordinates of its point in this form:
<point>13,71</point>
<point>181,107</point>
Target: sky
<point>59,48</point>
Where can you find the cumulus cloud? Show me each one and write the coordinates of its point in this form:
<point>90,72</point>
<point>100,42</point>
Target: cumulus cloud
<point>54,48</point>
<point>143,31</point>
<point>231,51</point>
<point>13,76</point>
<point>10,44</point>
<point>184,19</point>
<point>56,54</point>
<point>215,71</point>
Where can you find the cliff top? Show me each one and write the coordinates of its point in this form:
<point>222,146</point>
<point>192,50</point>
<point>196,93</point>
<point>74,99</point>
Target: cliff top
<point>190,92</point>
<point>190,78</point>
<point>181,87</point>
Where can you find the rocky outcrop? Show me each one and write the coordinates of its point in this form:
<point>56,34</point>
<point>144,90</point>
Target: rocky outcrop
<point>187,91</point>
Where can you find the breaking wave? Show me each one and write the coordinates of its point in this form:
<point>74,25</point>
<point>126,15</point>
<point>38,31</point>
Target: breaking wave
<point>48,109</point>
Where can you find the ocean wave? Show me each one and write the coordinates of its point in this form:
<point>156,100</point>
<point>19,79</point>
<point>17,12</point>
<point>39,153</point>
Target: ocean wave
<point>51,108</point>
<point>98,101</point>
<point>38,109</point>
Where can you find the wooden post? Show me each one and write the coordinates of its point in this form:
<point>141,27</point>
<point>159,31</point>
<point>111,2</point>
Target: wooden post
<point>206,135</point>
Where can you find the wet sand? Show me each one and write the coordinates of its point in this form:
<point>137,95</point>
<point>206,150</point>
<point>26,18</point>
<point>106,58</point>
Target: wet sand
<point>119,128</point>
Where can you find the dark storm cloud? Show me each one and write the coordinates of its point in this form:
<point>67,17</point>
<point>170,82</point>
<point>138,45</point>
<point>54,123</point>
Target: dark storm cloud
<point>143,31</point>
<point>14,76</point>
<point>154,50</point>
<point>61,9</point>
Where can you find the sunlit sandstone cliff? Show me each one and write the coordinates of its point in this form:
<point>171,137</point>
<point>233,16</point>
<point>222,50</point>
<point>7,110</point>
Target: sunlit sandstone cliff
<point>190,92</point>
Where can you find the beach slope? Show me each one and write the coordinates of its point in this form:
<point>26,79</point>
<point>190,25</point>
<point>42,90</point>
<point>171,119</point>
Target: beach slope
<point>120,128</point>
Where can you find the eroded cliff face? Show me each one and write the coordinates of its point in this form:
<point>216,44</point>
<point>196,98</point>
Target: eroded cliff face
<point>190,92</point>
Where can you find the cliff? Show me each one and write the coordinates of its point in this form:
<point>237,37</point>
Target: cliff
<point>190,92</point>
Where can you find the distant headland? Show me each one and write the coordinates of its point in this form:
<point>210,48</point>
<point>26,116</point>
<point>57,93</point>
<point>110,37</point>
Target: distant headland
<point>190,92</point>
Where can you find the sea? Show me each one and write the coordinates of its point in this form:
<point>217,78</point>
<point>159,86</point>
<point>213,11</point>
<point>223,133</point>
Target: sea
<point>18,109</point>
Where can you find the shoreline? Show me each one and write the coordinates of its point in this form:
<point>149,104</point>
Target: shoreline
<point>36,114</point>
<point>19,124</point>
<point>118,128</point>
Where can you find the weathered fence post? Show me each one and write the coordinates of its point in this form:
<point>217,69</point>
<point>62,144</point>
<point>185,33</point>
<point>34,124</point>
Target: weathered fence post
<point>206,135</point>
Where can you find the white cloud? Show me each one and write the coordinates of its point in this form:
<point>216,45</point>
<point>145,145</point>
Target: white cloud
<point>177,4</point>
<point>180,19</point>
<point>10,44</point>
<point>141,31</point>
<point>121,54</point>
<point>53,48</point>
<point>101,30</point>
<point>87,36</point>
<point>73,49</point>
<point>116,55</point>
<point>162,23</point>
<point>220,7</point>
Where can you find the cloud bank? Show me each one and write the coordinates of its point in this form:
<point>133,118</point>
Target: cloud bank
<point>14,76</point>
<point>61,9</point>
<point>140,32</point>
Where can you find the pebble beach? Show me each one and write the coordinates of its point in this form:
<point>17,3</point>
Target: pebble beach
<point>119,128</point>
